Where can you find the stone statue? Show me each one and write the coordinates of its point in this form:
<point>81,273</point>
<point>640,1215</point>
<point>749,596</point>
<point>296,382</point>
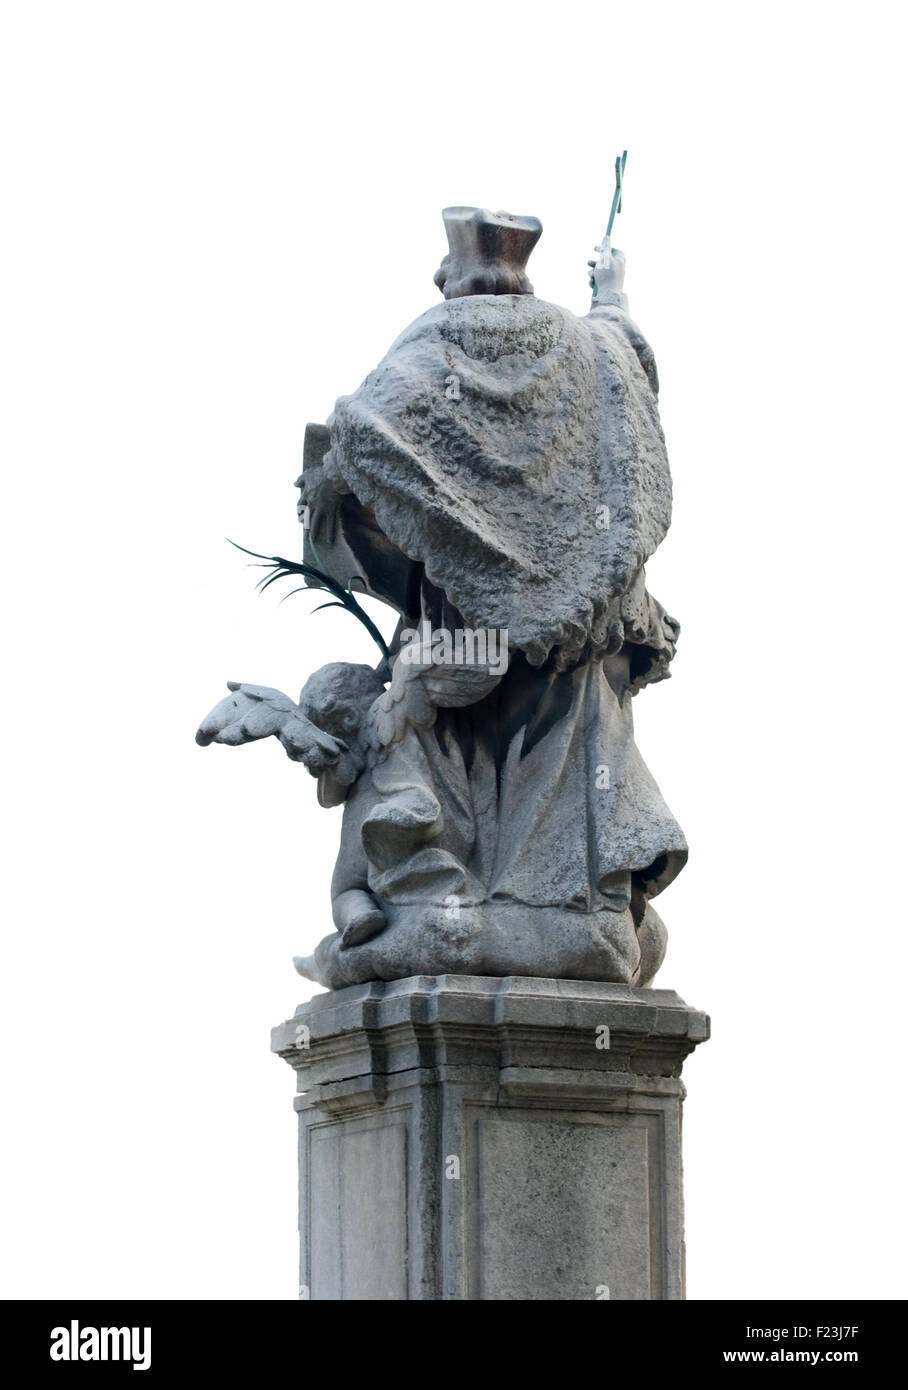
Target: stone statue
<point>499,480</point>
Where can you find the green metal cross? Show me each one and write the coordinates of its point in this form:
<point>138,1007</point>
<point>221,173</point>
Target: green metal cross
<point>619,185</point>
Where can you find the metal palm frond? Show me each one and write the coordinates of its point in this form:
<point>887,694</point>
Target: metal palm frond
<point>344,597</point>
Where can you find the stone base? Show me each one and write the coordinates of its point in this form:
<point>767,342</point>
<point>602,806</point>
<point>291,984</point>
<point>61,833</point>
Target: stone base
<point>468,1137</point>
<point>496,938</point>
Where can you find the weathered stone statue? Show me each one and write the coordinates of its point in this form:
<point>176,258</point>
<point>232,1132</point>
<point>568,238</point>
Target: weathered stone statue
<point>499,480</point>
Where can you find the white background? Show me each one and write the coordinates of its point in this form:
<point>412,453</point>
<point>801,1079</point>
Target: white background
<point>217,218</point>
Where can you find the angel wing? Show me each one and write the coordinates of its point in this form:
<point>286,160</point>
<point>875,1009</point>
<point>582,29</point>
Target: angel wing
<point>252,712</point>
<point>416,693</point>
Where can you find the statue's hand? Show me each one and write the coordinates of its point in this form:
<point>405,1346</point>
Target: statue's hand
<point>321,505</point>
<point>256,711</point>
<point>608,271</point>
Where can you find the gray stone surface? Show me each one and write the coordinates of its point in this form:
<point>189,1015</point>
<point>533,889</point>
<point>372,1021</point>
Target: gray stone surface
<point>500,476</point>
<point>472,1138</point>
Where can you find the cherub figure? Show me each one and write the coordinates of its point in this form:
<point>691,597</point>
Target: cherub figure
<point>344,725</point>
<point>326,731</point>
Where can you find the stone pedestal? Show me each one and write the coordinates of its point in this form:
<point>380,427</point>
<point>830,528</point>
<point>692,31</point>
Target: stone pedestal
<point>464,1137</point>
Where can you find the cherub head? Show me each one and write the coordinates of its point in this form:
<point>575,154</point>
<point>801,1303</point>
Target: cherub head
<point>337,697</point>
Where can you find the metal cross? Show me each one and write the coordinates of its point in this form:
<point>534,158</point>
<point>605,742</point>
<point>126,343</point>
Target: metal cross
<point>616,200</point>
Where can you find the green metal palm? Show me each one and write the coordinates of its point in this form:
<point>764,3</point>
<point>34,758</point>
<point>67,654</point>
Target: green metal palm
<point>343,597</point>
